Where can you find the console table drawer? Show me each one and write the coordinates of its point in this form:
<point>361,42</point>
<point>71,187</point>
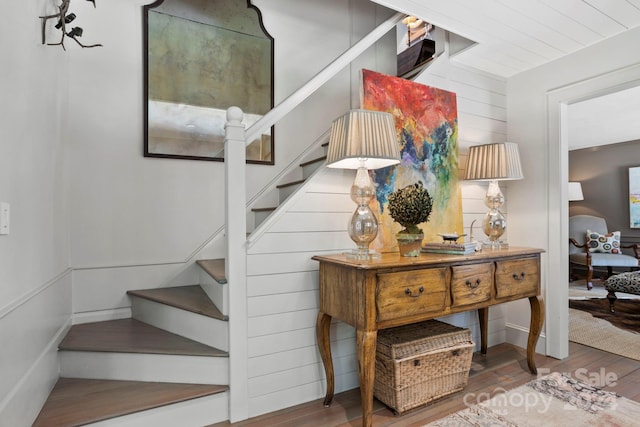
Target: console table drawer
<point>408,293</point>
<point>517,278</point>
<point>471,284</point>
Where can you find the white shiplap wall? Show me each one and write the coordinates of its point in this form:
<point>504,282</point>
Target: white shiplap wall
<point>284,366</point>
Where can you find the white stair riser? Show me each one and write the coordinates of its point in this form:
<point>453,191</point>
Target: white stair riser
<point>144,367</point>
<point>259,217</point>
<point>191,413</point>
<point>207,330</point>
<point>309,169</point>
<point>287,191</point>
<point>217,292</point>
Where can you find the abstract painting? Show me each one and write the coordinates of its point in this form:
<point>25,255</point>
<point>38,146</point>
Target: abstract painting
<point>634,197</point>
<point>427,124</point>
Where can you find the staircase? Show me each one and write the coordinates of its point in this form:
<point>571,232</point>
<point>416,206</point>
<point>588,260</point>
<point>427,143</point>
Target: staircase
<point>168,364</point>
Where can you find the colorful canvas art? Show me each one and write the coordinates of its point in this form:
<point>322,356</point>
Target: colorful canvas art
<point>427,124</point>
<point>634,197</point>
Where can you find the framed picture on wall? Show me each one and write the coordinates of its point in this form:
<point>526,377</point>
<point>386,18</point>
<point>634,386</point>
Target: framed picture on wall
<point>634,197</point>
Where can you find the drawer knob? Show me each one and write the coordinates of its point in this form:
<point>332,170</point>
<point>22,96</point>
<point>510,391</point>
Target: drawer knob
<point>518,277</point>
<point>410,293</point>
<point>473,285</point>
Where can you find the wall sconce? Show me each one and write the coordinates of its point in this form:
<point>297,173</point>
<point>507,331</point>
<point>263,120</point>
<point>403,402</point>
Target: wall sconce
<point>363,140</point>
<point>65,18</point>
<point>575,192</point>
<point>493,163</point>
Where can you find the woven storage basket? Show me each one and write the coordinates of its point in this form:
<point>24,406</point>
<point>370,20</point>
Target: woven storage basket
<point>418,363</point>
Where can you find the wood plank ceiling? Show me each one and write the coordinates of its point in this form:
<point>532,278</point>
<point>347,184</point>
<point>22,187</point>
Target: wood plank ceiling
<point>513,36</point>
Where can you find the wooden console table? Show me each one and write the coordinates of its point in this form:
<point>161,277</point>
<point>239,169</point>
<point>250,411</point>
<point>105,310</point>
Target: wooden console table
<point>395,290</point>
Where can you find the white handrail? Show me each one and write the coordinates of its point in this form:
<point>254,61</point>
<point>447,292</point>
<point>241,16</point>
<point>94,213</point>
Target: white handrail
<point>293,100</point>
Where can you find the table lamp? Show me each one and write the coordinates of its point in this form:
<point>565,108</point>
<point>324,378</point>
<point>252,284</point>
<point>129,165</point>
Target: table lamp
<point>493,163</point>
<point>363,140</point>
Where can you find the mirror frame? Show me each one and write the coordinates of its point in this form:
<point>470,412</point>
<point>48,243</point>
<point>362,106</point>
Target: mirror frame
<point>147,152</point>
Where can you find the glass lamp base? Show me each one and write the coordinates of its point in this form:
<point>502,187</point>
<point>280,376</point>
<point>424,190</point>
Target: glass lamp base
<point>495,244</point>
<point>366,255</point>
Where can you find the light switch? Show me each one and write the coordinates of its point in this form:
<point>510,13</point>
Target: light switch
<point>4,218</point>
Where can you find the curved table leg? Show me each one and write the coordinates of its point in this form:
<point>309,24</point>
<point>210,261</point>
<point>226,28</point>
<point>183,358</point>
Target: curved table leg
<point>537,319</point>
<point>366,347</point>
<point>323,324</point>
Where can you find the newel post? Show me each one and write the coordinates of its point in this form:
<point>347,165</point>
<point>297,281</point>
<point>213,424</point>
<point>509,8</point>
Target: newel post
<point>236,262</point>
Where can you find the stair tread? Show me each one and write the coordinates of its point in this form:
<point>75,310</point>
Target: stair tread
<point>75,402</point>
<point>289,184</point>
<point>191,298</point>
<point>132,336</point>
<point>215,268</point>
<point>312,161</point>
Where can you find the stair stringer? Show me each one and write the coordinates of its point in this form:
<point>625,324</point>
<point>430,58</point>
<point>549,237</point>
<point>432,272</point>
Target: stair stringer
<point>282,207</point>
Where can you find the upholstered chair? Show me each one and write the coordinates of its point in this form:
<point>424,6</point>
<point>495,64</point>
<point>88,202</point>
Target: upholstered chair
<point>604,251</point>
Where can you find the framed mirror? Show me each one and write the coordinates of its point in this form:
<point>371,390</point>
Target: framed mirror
<point>200,58</point>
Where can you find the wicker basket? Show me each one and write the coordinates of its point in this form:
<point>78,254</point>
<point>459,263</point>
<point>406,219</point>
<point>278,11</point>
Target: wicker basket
<point>418,363</point>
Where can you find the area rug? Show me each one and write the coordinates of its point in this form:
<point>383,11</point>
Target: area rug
<point>598,333</point>
<point>552,400</point>
<point>626,315</point>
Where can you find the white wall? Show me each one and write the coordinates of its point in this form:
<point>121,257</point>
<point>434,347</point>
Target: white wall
<point>134,216</point>
<point>34,280</point>
<point>538,204</point>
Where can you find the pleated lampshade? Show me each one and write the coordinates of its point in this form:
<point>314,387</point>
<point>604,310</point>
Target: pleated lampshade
<point>490,162</point>
<point>363,135</point>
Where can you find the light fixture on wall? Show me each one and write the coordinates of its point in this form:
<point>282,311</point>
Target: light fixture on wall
<point>62,18</point>
<point>493,163</point>
<point>575,192</point>
<point>363,140</point>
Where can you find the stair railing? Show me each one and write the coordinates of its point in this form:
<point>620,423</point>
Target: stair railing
<point>236,140</point>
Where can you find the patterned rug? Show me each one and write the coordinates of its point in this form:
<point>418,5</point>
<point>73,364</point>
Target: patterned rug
<point>552,400</point>
<point>626,315</point>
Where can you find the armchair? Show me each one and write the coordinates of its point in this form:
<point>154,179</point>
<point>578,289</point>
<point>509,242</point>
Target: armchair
<point>580,254</point>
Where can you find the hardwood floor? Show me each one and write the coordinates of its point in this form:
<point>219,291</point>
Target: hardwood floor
<point>504,367</point>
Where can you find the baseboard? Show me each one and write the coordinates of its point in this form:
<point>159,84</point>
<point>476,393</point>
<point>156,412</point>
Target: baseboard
<point>101,315</point>
<point>518,335</point>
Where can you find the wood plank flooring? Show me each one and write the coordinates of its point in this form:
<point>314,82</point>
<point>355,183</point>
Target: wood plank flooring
<point>504,367</point>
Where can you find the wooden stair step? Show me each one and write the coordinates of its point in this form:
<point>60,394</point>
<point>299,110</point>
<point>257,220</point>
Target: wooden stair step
<point>289,184</point>
<point>215,269</point>
<point>75,402</point>
<point>191,298</point>
<point>312,161</point>
<point>271,208</point>
<point>132,336</point>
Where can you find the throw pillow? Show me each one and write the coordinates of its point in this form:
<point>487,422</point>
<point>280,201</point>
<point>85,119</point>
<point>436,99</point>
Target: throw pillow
<point>604,243</point>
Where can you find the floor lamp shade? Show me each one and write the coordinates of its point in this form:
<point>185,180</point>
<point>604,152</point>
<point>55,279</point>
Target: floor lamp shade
<point>363,140</point>
<point>575,192</point>
<point>494,162</point>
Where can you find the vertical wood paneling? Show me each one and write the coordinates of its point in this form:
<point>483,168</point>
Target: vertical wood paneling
<point>284,366</point>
